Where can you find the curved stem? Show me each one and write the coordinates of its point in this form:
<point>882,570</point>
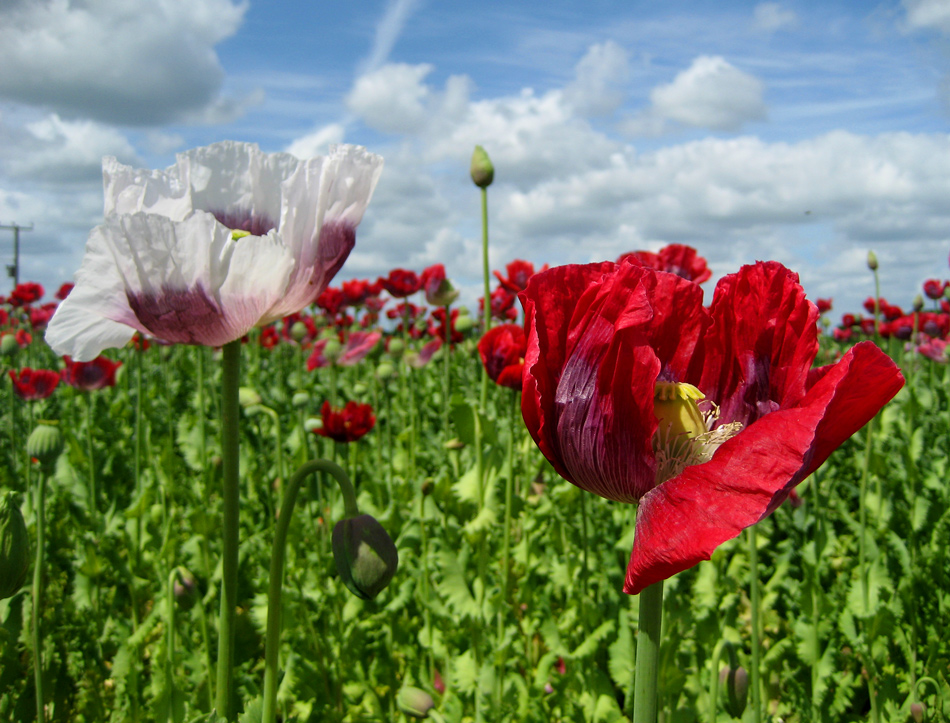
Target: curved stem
<point>231,497</point>
<point>278,551</point>
<point>40,501</point>
<point>648,654</point>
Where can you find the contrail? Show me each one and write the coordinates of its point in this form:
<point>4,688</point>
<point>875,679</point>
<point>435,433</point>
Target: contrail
<point>387,33</point>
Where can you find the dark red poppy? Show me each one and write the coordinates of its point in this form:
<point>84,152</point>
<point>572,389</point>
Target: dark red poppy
<point>347,424</point>
<point>25,294</point>
<point>706,417</point>
<point>401,283</point>
<point>140,342</point>
<point>357,291</point>
<point>33,384</point>
<point>674,259</point>
<point>40,316</point>
<point>269,337</point>
<point>330,300</point>
<point>842,335</point>
<point>519,272</point>
<point>439,290</point>
<point>95,374</point>
<point>64,290</point>
<point>437,329</point>
<point>824,305</point>
<point>849,320</point>
<point>502,351</point>
<point>23,338</point>
<point>502,304</point>
<point>934,289</point>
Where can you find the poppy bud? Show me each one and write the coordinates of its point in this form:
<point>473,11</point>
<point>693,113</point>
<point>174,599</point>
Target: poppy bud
<point>365,555</point>
<point>298,331</point>
<point>185,588</point>
<point>248,397</point>
<point>8,345</point>
<point>384,370</point>
<point>918,302</point>
<point>427,486</point>
<point>14,547</point>
<point>482,170</point>
<point>332,350</point>
<point>737,689</point>
<point>45,443</point>
<point>917,712</point>
<point>312,424</point>
<point>300,400</point>
<point>464,322</point>
<point>872,261</point>
<point>414,702</point>
<point>396,348</point>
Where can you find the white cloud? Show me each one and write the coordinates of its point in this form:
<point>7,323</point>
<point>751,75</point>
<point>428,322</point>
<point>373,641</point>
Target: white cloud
<point>928,14</point>
<point>142,64</point>
<point>710,94</point>
<point>387,33</point>
<point>317,143</point>
<point>771,16</point>
<point>53,150</point>
<point>392,99</point>
<point>600,76</point>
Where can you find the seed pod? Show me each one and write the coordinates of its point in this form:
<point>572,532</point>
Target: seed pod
<point>414,702</point>
<point>482,170</point>
<point>14,547</point>
<point>45,444</point>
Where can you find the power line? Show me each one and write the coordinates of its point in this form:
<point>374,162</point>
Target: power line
<point>14,268</point>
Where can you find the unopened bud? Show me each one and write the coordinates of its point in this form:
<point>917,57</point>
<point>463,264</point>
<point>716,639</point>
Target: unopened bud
<point>414,702</point>
<point>736,681</point>
<point>483,172</point>
<point>918,302</point>
<point>8,345</point>
<point>14,547</point>
<point>917,712</point>
<point>185,588</point>
<point>365,555</point>
<point>332,350</point>
<point>45,444</point>
<point>463,323</point>
<point>384,370</point>
<point>872,261</point>
<point>300,400</point>
<point>248,397</point>
<point>298,331</point>
<point>396,348</point>
<point>427,486</point>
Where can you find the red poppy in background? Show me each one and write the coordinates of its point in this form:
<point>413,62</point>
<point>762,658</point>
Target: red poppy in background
<point>330,300</point>
<point>437,329</point>
<point>519,272</point>
<point>23,338</point>
<point>25,294</point>
<point>934,289</point>
<point>502,351</point>
<point>64,290</point>
<point>269,337</point>
<point>417,360</point>
<point>95,374</point>
<point>824,305</point>
<point>40,316</point>
<point>358,345</point>
<point>347,424</point>
<point>357,291</point>
<point>34,384</point>
<point>502,304</point>
<point>401,283</point>
<point>677,259</point>
<point>439,290</point>
<point>707,418</point>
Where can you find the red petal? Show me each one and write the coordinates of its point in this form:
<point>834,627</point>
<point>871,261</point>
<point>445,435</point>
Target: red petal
<point>683,520</point>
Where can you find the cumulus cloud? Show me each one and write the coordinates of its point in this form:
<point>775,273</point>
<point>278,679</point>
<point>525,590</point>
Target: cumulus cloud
<point>771,16</point>
<point>392,99</point>
<point>712,93</point>
<point>101,60</point>
<point>928,14</point>
<point>600,76</point>
<point>318,142</point>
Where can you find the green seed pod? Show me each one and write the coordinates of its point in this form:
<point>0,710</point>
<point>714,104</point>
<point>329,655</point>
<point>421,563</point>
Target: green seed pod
<point>414,702</point>
<point>248,397</point>
<point>872,261</point>
<point>385,370</point>
<point>463,323</point>
<point>311,424</point>
<point>300,400</point>
<point>298,331</point>
<point>8,345</point>
<point>45,444</point>
<point>396,348</point>
<point>365,555</point>
<point>359,389</point>
<point>14,547</point>
<point>482,170</point>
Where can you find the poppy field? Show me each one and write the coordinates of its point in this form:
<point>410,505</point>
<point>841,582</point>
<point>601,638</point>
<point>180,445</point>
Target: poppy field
<point>226,496</point>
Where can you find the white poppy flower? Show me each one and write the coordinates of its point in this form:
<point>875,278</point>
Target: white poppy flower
<point>226,239</point>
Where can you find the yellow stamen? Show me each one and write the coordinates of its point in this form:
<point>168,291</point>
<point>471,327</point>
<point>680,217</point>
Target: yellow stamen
<point>235,235</point>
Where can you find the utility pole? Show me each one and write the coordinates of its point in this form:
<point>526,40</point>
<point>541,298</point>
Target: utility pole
<point>14,268</point>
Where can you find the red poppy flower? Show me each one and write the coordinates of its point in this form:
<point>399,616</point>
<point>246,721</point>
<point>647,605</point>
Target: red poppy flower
<point>330,300</point>
<point>358,345</point>
<point>675,259</point>
<point>33,384</point>
<point>347,424</point>
<point>357,291</point>
<point>934,289</point>
<point>502,351</point>
<point>25,294</point>
<point>401,283</point>
<point>518,274</point>
<point>502,304</point>
<point>706,418</point>
<point>269,337</point>
<point>439,290</point>
<point>64,290</point>
<point>40,316</point>
<point>96,374</point>
<point>23,338</point>
<point>436,326</point>
<point>824,305</point>
<point>417,360</point>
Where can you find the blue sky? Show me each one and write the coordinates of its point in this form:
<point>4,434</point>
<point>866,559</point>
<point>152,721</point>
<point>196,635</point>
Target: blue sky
<point>802,131</point>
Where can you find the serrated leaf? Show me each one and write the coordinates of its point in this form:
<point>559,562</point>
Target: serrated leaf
<point>454,587</point>
<point>465,672</point>
<point>589,646</point>
<point>621,654</point>
<point>253,711</point>
<point>921,508</point>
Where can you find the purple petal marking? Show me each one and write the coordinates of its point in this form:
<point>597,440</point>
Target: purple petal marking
<point>337,239</point>
<point>239,220</point>
<point>182,316</point>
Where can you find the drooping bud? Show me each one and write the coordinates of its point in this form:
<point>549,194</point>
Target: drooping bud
<point>482,170</point>
<point>917,712</point>
<point>872,261</point>
<point>365,555</point>
<point>45,444</point>
<point>14,547</point>
<point>185,588</point>
<point>414,702</point>
<point>736,681</point>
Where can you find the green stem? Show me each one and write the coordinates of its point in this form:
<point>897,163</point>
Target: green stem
<point>230,411</point>
<point>170,641</point>
<point>756,633</point>
<point>446,384</point>
<point>648,654</point>
<point>93,496</point>
<point>486,271</point>
<point>278,552</point>
<point>40,503</point>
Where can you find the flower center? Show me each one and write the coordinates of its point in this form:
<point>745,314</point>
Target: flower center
<point>683,436</point>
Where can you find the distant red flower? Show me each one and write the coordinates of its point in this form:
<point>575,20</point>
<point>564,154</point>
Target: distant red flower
<point>437,329</point>
<point>330,300</point>
<point>357,346</point>
<point>4,317</point>
<point>674,259</point>
<point>419,359</point>
<point>849,320</point>
<point>25,294</point>
<point>934,289</point>
<point>519,272</point>
<point>40,316</point>
<point>357,291</point>
<point>935,349</point>
<point>87,376</point>
<point>302,334</point>
<point>401,283</point>
<point>140,342</point>
<point>269,337</point>
<point>347,424</point>
<point>33,384</point>
<point>824,305</point>
<point>502,351</point>
<point>706,417</point>
<point>842,335</point>
<point>439,290</point>
<point>64,290</point>
<point>502,304</point>
<point>23,338</point>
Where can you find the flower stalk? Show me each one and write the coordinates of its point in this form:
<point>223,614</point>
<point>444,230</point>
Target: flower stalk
<point>648,654</point>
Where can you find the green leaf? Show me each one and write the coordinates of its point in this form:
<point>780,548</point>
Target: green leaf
<point>253,711</point>
<point>465,672</point>
<point>589,646</point>
<point>620,653</point>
